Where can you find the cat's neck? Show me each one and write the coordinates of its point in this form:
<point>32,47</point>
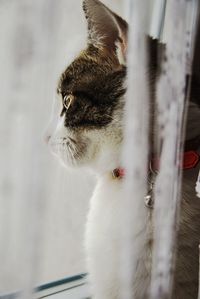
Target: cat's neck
<point>108,159</point>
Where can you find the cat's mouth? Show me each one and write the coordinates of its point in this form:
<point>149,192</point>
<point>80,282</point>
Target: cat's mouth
<point>69,150</point>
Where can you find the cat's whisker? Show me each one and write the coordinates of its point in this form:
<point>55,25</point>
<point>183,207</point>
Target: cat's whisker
<point>74,153</point>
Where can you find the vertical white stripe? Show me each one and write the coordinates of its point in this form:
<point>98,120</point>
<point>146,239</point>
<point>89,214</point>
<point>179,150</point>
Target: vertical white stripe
<point>135,148</point>
<point>198,185</point>
<point>158,18</point>
<point>24,179</point>
<point>171,102</point>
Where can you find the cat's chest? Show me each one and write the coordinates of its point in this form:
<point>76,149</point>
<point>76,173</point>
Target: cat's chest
<point>106,205</point>
<point>104,235</point>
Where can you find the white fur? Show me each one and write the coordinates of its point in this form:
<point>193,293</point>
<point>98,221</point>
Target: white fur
<point>103,238</point>
<point>104,242</point>
<point>120,53</point>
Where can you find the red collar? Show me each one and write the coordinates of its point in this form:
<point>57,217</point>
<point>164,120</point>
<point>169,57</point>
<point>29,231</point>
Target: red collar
<point>190,160</point>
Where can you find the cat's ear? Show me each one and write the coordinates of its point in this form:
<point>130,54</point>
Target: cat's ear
<point>106,30</point>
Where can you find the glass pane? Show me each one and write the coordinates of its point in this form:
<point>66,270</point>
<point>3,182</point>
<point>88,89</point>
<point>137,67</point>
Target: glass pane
<point>42,211</point>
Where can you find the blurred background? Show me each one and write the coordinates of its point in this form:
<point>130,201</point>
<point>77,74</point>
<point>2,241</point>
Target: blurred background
<point>42,205</point>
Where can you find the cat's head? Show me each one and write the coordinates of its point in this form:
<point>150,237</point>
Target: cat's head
<point>91,95</point>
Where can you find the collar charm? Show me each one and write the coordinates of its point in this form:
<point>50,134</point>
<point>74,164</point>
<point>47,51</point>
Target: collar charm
<point>190,160</point>
<point>118,173</point>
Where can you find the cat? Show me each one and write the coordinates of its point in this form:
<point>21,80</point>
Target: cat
<point>89,133</point>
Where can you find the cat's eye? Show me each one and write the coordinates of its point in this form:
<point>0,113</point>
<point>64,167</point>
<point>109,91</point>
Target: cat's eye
<point>68,100</point>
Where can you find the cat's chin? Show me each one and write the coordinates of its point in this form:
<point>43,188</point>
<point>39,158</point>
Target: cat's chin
<point>67,160</point>
<point>71,152</point>
<point>99,164</point>
<point>68,163</point>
